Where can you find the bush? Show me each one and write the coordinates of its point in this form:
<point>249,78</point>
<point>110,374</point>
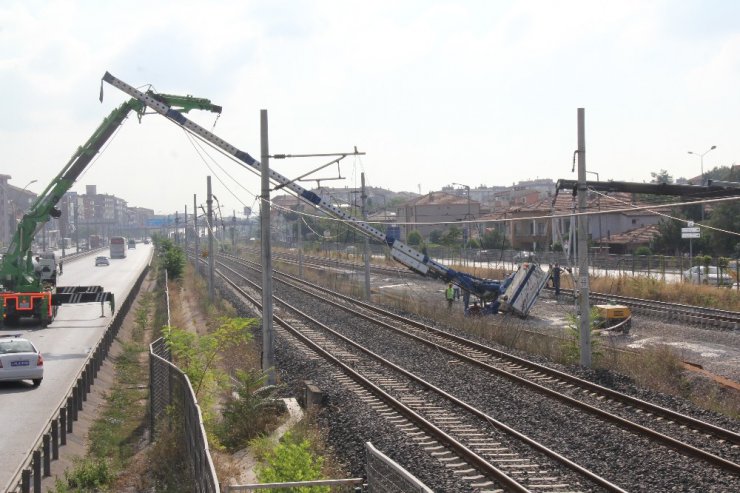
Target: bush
<point>292,461</point>
<point>250,413</point>
<point>643,250</point>
<point>87,475</point>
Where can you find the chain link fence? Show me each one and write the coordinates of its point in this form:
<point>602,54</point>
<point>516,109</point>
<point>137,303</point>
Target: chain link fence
<point>174,404</point>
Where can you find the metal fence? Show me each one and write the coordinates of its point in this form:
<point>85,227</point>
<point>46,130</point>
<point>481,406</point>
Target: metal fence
<point>599,262</point>
<point>37,464</point>
<point>386,476</point>
<point>170,388</point>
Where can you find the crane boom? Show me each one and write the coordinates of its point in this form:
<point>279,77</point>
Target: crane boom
<point>22,292</point>
<point>486,289</point>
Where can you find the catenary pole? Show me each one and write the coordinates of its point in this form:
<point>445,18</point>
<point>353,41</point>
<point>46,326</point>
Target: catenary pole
<point>366,243</point>
<point>268,358</point>
<point>197,235</point>
<point>185,233</point>
<point>211,250</point>
<point>300,245</point>
<point>585,319</point>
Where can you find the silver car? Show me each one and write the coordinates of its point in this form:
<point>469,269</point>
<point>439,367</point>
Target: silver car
<point>20,360</point>
<point>707,275</point>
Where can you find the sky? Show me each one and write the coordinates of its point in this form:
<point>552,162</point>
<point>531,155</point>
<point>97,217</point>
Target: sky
<point>434,92</point>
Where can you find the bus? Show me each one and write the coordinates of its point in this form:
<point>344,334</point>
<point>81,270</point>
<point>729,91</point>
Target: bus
<point>117,247</point>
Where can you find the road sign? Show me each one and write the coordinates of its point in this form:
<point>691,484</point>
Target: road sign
<point>690,230</point>
<point>690,235</point>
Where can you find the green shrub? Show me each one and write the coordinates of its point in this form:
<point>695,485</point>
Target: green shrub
<point>87,475</point>
<point>252,412</point>
<point>643,250</point>
<point>292,461</point>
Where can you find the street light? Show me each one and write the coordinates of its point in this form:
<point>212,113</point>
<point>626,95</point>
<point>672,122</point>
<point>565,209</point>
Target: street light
<point>701,158</point>
<point>703,180</point>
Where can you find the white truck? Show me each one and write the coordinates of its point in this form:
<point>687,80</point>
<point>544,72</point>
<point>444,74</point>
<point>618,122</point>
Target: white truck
<point>45,266</point>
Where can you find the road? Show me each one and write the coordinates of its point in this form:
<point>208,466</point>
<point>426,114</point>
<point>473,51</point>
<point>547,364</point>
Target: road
<point>25,411</point>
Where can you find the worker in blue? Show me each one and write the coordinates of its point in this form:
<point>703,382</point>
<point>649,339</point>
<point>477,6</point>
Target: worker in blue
<point>449,295</point>
<point>555,274</point>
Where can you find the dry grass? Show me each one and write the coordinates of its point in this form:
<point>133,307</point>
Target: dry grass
<point>654,289</point>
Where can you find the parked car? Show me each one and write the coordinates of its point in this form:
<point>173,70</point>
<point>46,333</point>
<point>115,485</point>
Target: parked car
<point>20,360</point>
<point>101,261</point>
<point>707,275</point>
<point>522,257</point>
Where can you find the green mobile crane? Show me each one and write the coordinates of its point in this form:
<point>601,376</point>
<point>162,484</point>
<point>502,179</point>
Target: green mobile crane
<point>23,292</point>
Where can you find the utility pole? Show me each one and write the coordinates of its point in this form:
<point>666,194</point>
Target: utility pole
<point>300,245</point>
<point>211,252</point>
<point>185,234</point>
<point>177,228</point>
<point>585,320</point>
<point>197,235</point>
<point>233,231</point>
<point>268,356</point>
<point>366,250</point>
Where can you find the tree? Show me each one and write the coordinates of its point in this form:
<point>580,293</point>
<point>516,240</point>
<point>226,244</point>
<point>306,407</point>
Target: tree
<point>414,238</point>
<point>436,237</point>
<point>725,217</point>
<point>493,238</point>
<point>661,176</point>
<point>452,237</point>
<point>173,257</point>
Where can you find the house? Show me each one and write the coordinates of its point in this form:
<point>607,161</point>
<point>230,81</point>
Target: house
<point>435,211</point>
<point>631,240</point>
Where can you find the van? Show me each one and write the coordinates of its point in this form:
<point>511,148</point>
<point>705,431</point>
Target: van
<point>131,243</point>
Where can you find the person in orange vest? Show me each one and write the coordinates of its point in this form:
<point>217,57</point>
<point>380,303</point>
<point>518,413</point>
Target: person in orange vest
<point>450,295</point>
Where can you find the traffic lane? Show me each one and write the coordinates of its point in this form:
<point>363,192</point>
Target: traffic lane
<point>65,345</point>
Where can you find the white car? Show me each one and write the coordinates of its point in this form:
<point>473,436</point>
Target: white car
<point>707,275</point>
<point>20,360</point>
<point>101,261</point>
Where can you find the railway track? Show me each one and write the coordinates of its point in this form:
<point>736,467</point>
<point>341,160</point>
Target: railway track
<point>708,318</point>
<point>474,445</point>
<point>692,437</point>
<point>693,315</point>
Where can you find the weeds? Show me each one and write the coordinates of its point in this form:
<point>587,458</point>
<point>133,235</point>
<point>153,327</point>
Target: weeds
<point>571,346</point>
<point>87,475</point>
